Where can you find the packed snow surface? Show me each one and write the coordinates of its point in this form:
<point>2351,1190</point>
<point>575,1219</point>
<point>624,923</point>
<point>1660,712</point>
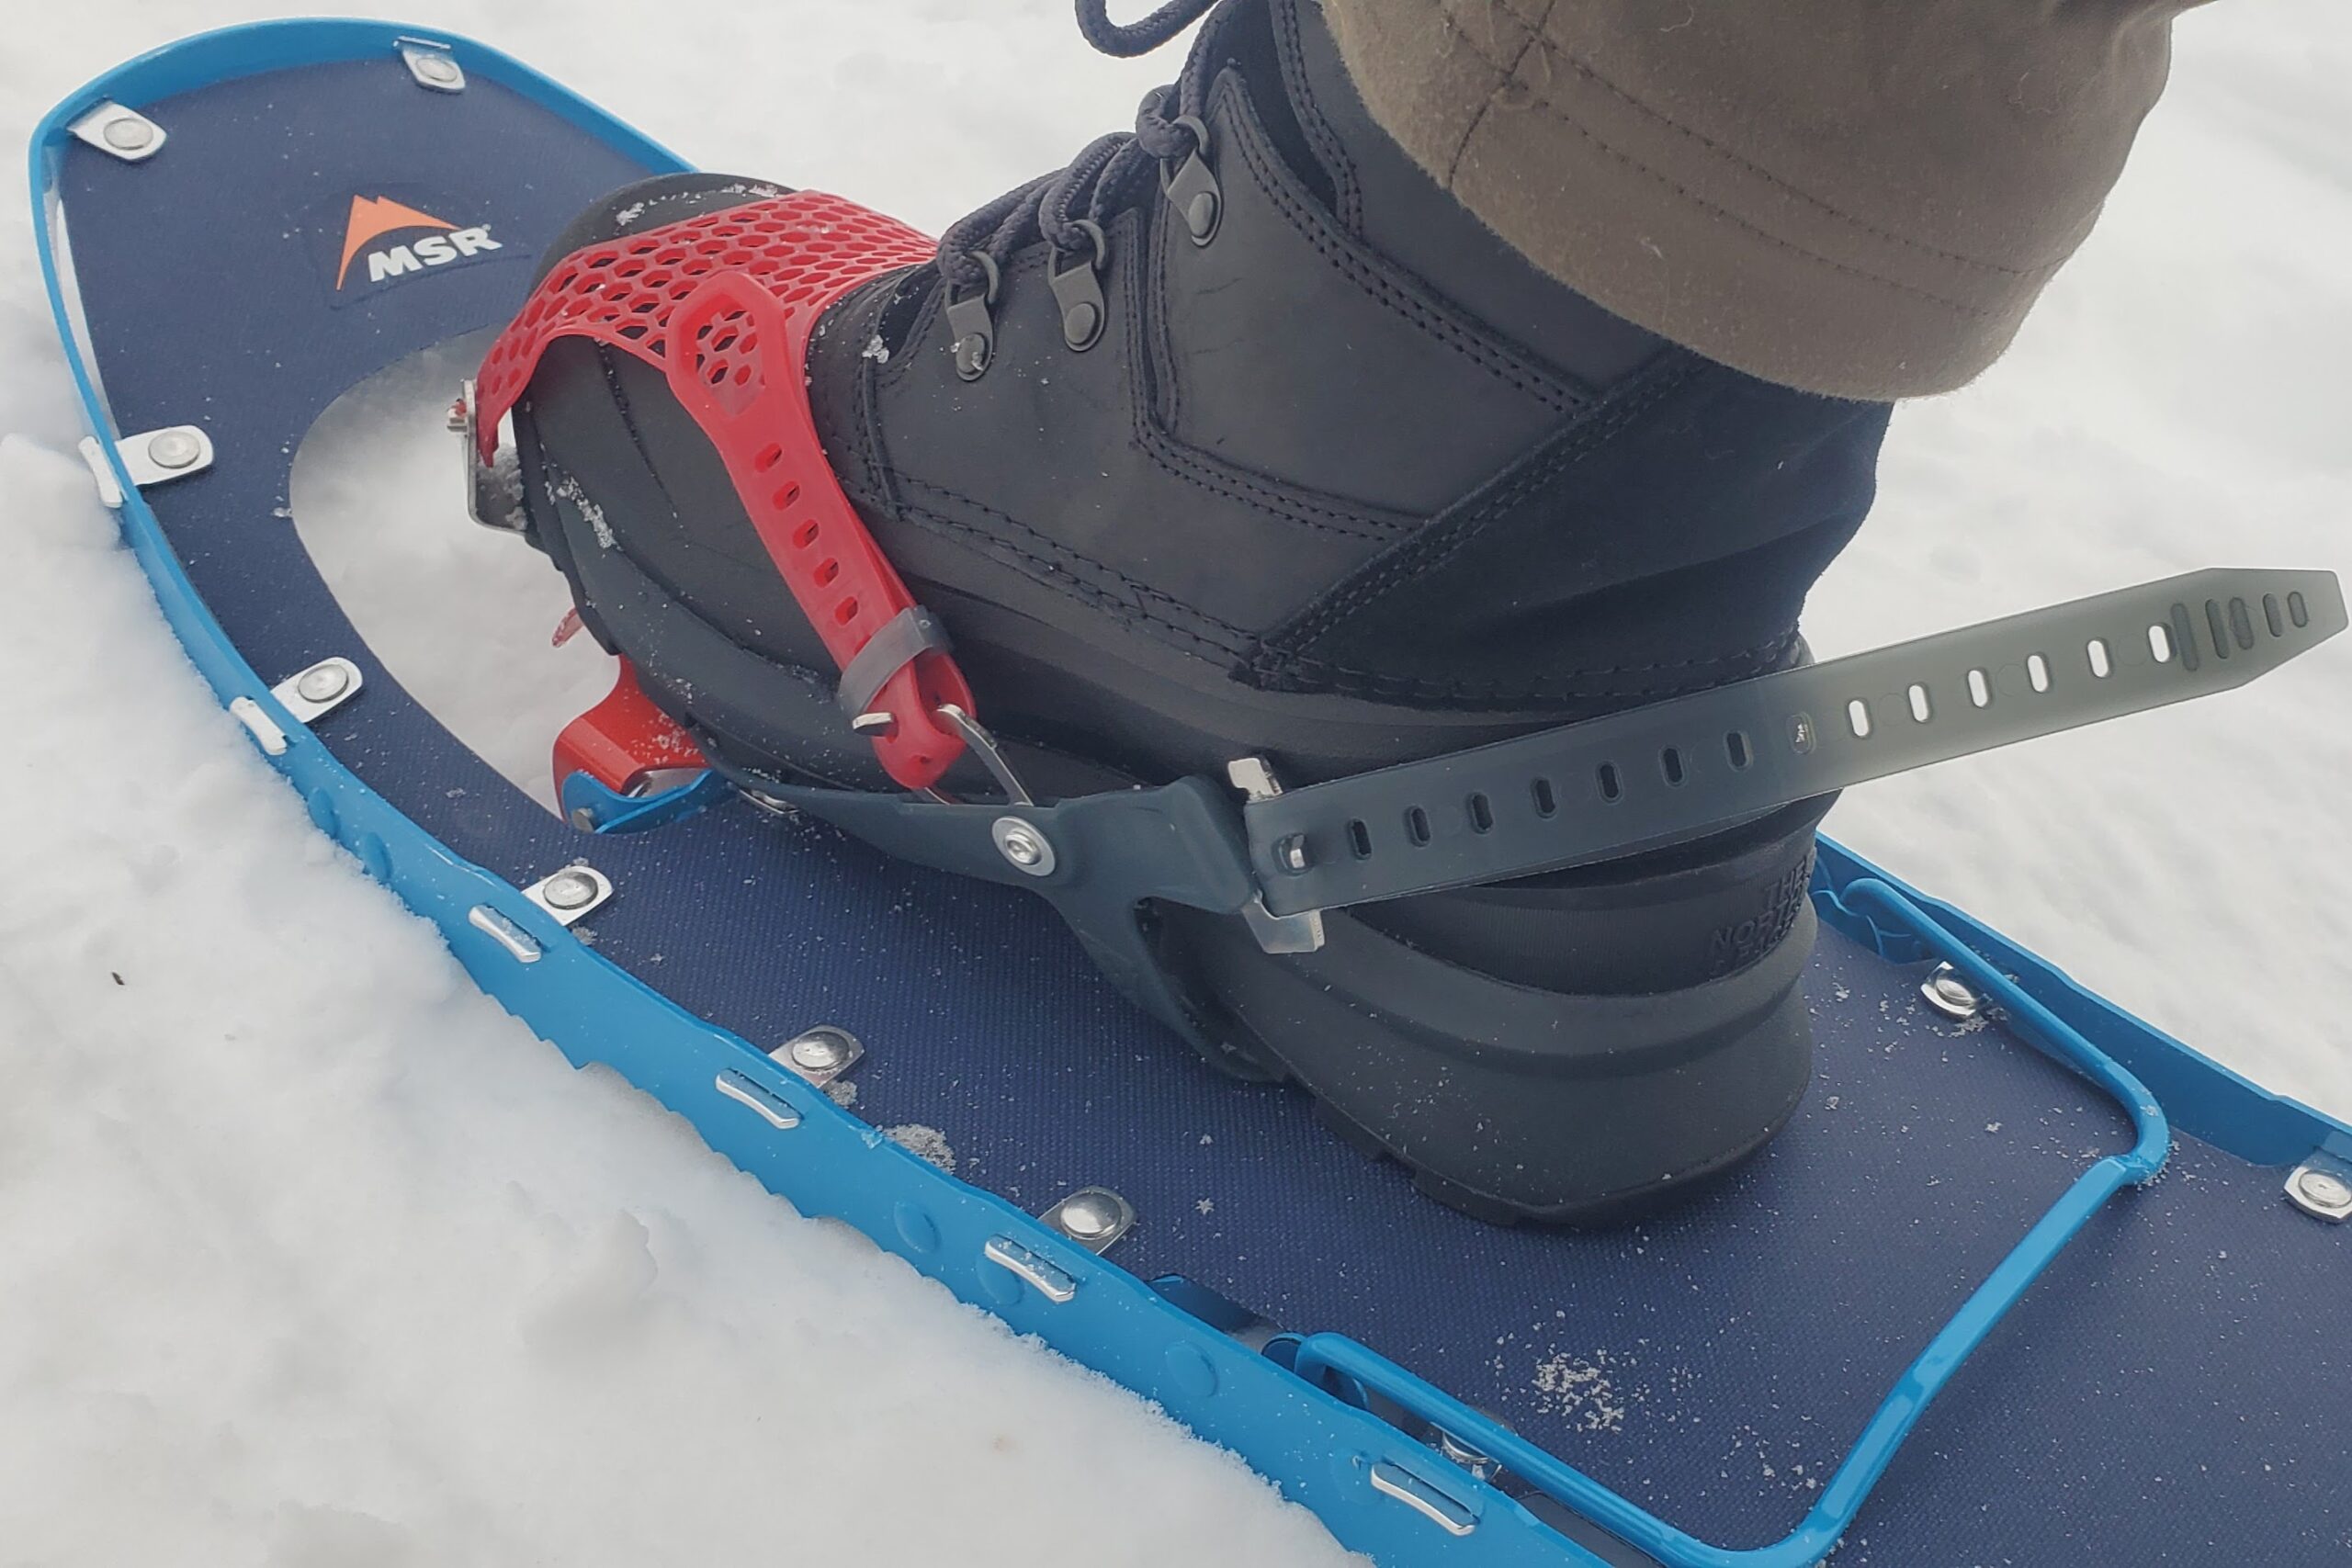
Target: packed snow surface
<point>313,1256</point>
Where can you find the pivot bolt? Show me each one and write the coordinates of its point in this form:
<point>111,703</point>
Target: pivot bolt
<point>128,134</point>
<point>570,890</point>
<point>322,683</point>
<point>172,450</point>
<point>1026,848</point>
<point>437,68</point>
<point>1950,995</point>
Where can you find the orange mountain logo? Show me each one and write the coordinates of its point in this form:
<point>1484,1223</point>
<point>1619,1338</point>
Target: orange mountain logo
<point>377,217</point>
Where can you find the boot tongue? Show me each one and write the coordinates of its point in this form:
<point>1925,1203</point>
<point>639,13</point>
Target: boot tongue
<point>1394,206</point>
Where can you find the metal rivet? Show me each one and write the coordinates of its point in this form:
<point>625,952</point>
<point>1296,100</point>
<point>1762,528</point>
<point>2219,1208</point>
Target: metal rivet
<point>584,819</point>
<point>2321,1192</point>
<point>322,683</point>
<point>1026,848</point>
<point>1201,215</point>
<point>1095,1217</point>
<point>2321,1187</point>
<point>174,449</point>
<point>821,1054</point>
<point>875,723</point>
<point>1289,853</point>
<point>570,890</point>
<point>573,894</point>
<point>1089,1216</point>
<point>436,68</point>
<point>128,135</point>
<point>1950,995</point>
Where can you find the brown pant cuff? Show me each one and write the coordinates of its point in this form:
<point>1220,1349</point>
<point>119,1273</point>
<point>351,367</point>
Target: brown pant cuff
<point>1847,197</point>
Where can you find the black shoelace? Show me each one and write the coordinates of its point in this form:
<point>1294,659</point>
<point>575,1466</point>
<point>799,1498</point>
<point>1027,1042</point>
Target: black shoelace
<point>1067,207</point>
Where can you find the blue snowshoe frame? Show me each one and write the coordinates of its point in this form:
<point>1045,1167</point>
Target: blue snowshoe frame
<point>1337,1424</point>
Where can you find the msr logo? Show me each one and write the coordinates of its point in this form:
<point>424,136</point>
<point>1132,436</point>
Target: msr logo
<point>376,220</point>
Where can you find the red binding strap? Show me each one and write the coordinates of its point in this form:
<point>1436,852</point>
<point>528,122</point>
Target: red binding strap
<point>724,305</point>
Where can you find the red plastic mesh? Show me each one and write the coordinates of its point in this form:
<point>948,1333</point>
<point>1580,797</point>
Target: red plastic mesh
<point>724,305</point>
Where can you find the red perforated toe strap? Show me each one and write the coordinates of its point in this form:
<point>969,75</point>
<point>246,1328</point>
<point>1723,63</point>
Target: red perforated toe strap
<point>724,304</point>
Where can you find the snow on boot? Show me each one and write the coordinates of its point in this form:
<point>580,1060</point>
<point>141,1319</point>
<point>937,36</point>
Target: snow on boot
<point>1239,441</point>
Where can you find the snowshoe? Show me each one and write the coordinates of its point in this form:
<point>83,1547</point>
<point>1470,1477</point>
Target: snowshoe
<point>929,1058</point>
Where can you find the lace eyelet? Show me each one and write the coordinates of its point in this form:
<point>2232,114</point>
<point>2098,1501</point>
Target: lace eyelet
<point>1192,188</point>
<point>1079,291</point>
<point>974,326</point>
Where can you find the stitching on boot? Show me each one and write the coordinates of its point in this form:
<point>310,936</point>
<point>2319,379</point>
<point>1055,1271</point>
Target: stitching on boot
<point>1193,467</point>
<point>1591,683</point>
<point>1067,572</point>
<point>1444,537</point>
<point>1292,53</point>
<point>1341,254</point>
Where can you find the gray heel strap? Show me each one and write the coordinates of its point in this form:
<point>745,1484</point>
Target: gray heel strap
<point>1654,775</point>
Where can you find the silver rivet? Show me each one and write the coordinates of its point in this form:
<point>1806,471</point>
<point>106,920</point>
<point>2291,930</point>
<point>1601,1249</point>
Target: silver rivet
<point>169,448</point>
<point>128,134</point>
<point>874,722</point>
<point>584,819</point>
<point>1089,1216</point>
<point>435,67</point>
<point>322,684</point>
<point>1289,853</point>
<point>1095,1217</point>
<point>2325,1188</point>
<point>570,890</point>
<point>1028,850</point>
<point>819,1053</point>
<point>1950,995</point>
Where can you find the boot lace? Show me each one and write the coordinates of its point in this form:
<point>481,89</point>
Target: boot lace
<point>1068,207</point>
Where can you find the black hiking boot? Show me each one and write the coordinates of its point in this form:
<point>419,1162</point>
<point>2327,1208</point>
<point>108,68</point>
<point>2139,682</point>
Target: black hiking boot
<point>1240,438</point>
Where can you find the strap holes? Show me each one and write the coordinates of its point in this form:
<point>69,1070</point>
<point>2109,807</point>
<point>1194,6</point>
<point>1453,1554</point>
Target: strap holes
<point>2270,613</point>
<point>1980,688</point>
<point>2213,623</point>
<point>1922,709</point>
<point>2183,630</point>
<point>1546,803</point>
<point>827,573</point>
<point>1417,824</point>
<point>1359,840</point>
<point>845,612</point>
<point>1857,719</point>
<point>1801,734</point>
<point>2097,651</point>
<point>804,536</point>
<point>2241,623</point>
<point>1669,762</point>
<point>2160,643</point>
<point>1481,814</point>
<point>2036,670</point>
<point>2297,612</point>
<point>1609,788</point>
<point>1735,748</point>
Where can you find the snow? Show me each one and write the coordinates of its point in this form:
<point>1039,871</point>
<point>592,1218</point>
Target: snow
<point>314,1256</point>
